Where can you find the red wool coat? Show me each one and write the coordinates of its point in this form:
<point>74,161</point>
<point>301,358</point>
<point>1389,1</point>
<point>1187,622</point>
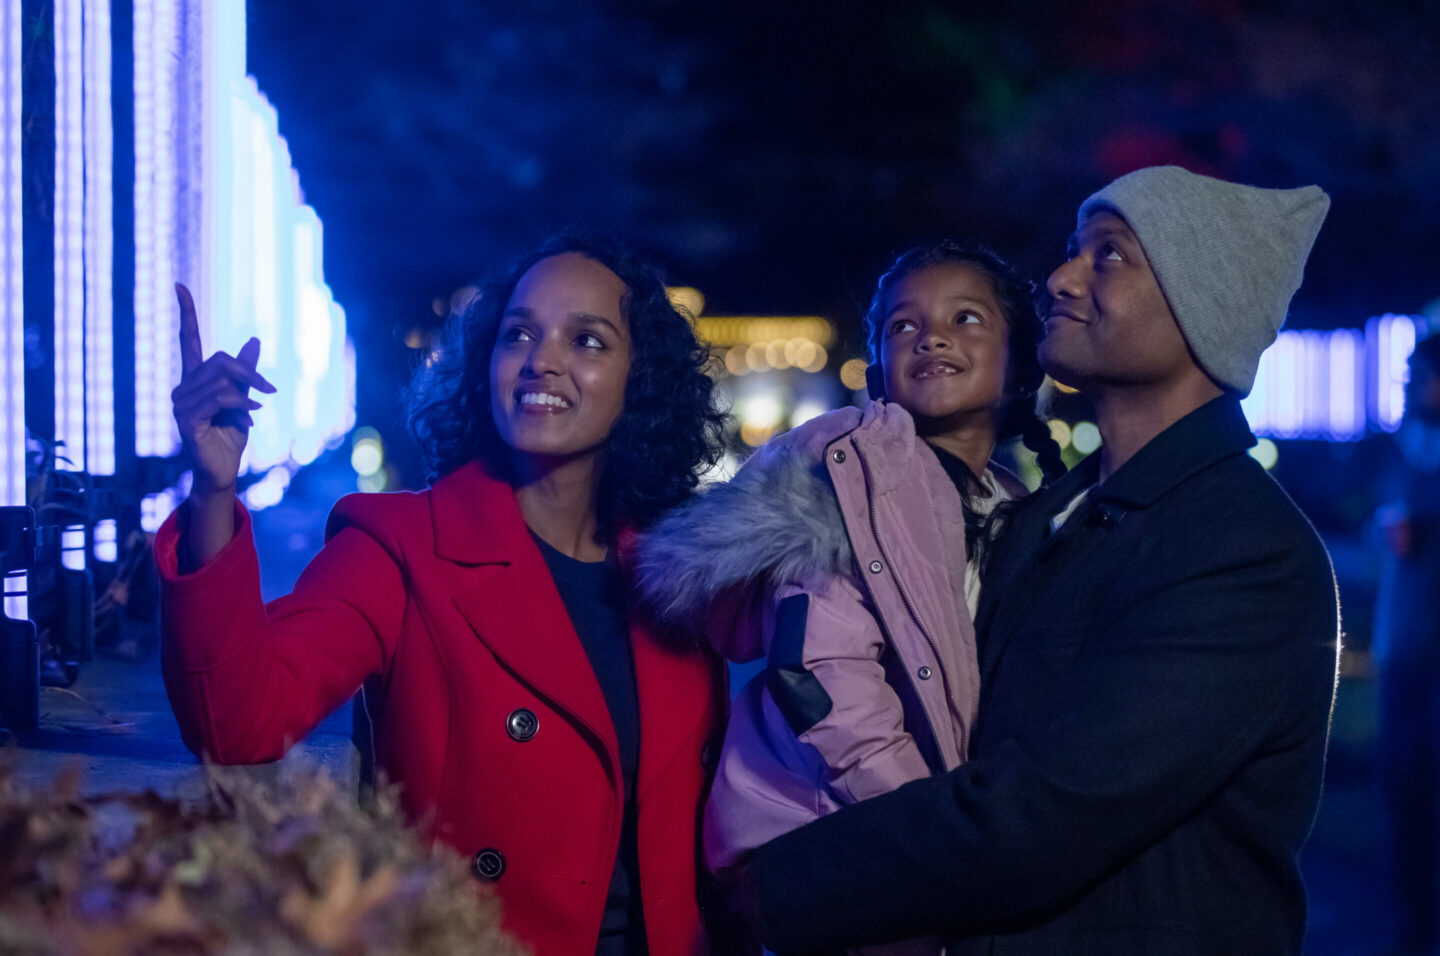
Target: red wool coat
<point>488,713</point>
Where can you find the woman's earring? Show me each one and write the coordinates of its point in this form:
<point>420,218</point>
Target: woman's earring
<point>875,380</point>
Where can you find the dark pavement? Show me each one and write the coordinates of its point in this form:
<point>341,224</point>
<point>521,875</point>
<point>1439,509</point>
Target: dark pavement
<point>115,721</point>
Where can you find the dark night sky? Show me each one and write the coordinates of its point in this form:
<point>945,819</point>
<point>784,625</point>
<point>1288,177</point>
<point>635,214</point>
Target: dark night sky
<point>777,155</point>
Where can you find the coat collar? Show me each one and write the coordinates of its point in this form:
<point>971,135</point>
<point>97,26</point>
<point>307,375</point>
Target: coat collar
<point>1213,432</point>
<point>476,518</point>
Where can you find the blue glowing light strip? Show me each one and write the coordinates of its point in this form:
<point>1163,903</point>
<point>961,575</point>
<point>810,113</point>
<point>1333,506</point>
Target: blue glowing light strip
<point>154,509</point>
<point>312,337</point>
<point>1394,339</point>
<point>1345,405</point>
<point>98,244</point>
<point>1334,385</point>
<point>1315,400</point>
<point>157,158</point>
<point>69,233</point>
<point>12,298</point>
<point>107,543</point>
<point>324,389</point>
<point>72,547</point>
<point>215,260</point>
<point>258,250</point>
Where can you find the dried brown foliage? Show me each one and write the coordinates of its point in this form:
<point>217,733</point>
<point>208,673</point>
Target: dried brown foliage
<point>244,867</point>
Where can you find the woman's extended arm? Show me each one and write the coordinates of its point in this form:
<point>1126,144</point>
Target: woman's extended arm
<point>249,679</point>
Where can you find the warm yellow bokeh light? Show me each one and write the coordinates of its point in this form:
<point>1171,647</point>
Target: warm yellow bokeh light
<point>755,358</point>
<point>852,374</point>
<point>754,436</point>
<point>727,330</point>
<point>819,360</point>
<point>1060,431</point>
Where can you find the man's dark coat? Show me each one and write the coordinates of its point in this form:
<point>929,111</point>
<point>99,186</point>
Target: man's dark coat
<point>1156,685</point>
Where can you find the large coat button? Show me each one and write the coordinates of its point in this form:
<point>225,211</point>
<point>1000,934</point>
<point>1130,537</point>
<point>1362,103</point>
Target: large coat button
<point>488,865</point>
<point>522,724</point>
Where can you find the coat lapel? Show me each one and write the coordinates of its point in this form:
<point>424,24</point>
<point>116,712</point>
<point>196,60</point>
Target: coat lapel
<point>515,609</point>
<point>517,613</point>
<point>1211,433</point>
<point>1007,589</point>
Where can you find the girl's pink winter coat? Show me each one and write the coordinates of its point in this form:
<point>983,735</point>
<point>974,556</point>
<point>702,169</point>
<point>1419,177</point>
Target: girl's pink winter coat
<point>838,553</point>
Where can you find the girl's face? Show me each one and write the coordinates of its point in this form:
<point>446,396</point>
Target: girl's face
<point>944,345</point>
<point>562,358</point>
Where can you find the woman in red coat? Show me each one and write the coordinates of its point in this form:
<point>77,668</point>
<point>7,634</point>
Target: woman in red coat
<point>532,723</point>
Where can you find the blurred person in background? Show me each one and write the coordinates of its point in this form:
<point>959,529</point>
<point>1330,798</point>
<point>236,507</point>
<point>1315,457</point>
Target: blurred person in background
<point>866,532</point>
<point>1407,652</point>
<point>530,720</point>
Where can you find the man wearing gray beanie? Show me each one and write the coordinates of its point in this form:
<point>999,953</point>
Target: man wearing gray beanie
<point>1158,638</point>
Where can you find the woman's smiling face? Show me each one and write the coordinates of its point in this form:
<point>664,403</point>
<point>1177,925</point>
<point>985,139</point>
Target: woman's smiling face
<point>561,359</point>
<point>944,344</point>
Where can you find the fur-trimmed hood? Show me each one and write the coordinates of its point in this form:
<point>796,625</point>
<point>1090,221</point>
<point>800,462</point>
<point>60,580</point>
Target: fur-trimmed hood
<point>777,520</point>
<point>839,545</point>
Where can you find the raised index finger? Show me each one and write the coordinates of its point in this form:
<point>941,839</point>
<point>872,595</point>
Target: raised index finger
<point>190,353</point>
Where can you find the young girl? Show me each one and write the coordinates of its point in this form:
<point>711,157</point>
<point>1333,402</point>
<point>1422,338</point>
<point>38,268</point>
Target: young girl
<point>848,551</point>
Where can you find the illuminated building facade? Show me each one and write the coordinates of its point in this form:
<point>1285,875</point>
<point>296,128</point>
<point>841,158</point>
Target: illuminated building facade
<point>160,161</point>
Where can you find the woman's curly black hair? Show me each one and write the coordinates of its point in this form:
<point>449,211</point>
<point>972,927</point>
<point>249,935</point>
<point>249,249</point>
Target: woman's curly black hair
<point>668,434</point>
<point>1018,300</point>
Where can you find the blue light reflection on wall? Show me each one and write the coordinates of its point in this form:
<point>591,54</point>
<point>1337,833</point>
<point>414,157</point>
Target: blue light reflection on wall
<point>1389,340</point>
<point>1334,386</point>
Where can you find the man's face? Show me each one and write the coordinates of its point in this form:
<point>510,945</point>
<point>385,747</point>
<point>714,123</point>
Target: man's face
<point>1109,324</point>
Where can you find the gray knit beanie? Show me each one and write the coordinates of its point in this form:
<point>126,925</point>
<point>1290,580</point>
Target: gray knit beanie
<point>1228,257</point>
